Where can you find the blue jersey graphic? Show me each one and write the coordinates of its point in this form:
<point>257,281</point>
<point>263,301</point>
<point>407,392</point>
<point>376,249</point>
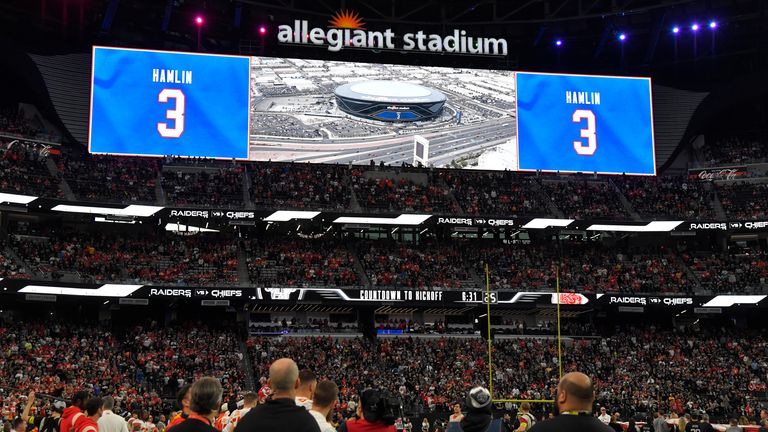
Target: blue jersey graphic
<point>162,103</point>
<point>585,124</point>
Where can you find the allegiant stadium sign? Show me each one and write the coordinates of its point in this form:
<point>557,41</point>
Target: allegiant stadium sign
<point>346,30</point>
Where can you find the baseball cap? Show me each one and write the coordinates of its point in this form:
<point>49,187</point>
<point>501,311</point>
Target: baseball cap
<point>478,398</point>
<point>59,406</point>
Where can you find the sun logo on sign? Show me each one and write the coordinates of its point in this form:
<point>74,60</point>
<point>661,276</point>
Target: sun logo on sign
<point>346,20</point>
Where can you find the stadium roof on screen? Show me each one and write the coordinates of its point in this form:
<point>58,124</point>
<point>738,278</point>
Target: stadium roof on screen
<point>390,100</point>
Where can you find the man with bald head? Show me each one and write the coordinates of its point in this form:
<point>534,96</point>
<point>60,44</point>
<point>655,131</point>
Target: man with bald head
<point>280,412</point>
<point>573,401</point>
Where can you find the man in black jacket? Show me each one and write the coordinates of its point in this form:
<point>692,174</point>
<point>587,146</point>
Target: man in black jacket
<point>280,413</point>
<point>573,400</point>
<point>205,399</point>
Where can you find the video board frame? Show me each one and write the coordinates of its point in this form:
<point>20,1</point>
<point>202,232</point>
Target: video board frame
<point>476,129</point>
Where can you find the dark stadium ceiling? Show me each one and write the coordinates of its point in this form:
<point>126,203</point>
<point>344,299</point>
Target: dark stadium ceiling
<point>588,30</point>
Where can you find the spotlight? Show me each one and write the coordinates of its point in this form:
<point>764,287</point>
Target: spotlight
<point>622,37</point>
<point>713,25</point>
<point>199,20</point>
<point>262,30</point>
<point>675,29</point>
<point>559,42</point>
<point>695,27</point>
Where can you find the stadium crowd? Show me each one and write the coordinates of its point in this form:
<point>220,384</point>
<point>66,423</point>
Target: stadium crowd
<point>744,201</point>
<point>669,196</point>
<point>133,257</point>
<point>276,260</point>
<point>330,187</point>
<point>389,264</point>
<point>9,268</point>
<point>23,170</point>
<point>133,180</point>
<point>300,263</point>
<point>582,199</point>
<point>495,193</point>
<point>297,186</point>
<point>392,194</point>
<point>167,358</point>
<point>223,187</point>
<point>582,267</point>
<point>141,367</point>
<point>636,370</point>
<point>738,272</point>
<point>737,149</point>
<point>110,178</point>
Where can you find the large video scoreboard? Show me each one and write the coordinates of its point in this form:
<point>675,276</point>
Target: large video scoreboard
<point>155,103</point>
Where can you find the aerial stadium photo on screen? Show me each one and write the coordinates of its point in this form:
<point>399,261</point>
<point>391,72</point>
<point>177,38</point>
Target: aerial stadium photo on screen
<point>344,112</point>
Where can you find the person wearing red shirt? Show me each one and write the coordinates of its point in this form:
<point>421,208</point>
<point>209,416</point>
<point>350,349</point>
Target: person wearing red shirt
<point>183,398</point>
<point>89,421</point>
<point>68,416</point>
<point>204,400</point>
<point>369,414</point>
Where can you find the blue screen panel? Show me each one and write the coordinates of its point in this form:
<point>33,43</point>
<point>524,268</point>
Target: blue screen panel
<point>163,103</point>
<point>609,118</point>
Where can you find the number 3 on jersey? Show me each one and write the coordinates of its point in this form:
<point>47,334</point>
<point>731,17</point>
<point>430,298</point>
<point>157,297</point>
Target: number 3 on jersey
<point>176,114</point>
<point>589,133</point>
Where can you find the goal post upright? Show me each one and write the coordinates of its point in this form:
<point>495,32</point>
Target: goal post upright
<point>490,347</point>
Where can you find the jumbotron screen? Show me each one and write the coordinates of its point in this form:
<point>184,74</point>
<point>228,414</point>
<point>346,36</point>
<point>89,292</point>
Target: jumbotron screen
<point>262,108</point>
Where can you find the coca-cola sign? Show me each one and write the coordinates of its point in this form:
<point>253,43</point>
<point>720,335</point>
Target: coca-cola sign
<point>718,173</point>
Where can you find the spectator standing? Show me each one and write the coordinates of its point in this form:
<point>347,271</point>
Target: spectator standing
<point>306,391</point>
<point>182,398</point>
<point>699,423</point>
<point>614,424</point>
<point>604,416</point>
<point>706,426</point>
<point>280,413</point>
<point>222,419</point>
<point>52,423</point>
<point>109,421</point>
<point>525,418</point>
<point>575,396</point>
<point>89,421</point>
<point>68,416</point>
<point>733,426</point>
<point>647,426</point>
<point>660,423</point>
<point>204,401</point>
<point>507,425</point>
<point>457,416</point>
<point>369,414</point>
<point>763,426</point>
<point>326,395</point>
<point>250,400</point>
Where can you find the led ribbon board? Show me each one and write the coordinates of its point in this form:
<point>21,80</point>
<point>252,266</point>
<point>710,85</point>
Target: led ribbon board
<point>154,103</point>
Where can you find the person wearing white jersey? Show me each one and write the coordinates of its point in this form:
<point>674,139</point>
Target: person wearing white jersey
<point>306,391</point>
<point>326,396</point>
<point>604,416</point>
<point>525,418</point>
<point>250,400</point>
<point>457,416</point>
